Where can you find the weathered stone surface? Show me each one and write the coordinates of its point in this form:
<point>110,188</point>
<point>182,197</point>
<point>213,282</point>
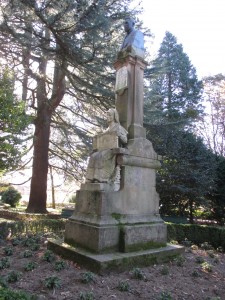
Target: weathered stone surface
<point>105,216</point>
<point>143,148</point>
<point>103,263</point>
<point>121,80</point>
<point>102,167</point>
<point>95,238</point>
<point>144,236</point>
<point>138,161</point>
<point>106,140</point>
<point>129,104</point>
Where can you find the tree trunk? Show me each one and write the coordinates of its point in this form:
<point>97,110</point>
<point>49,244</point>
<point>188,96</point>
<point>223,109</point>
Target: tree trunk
<point>45,108</point>
<point>52,187</point>
<point>38,188</point>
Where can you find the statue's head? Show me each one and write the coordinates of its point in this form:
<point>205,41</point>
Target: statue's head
<point>128,24</point>
<point>112,115</point>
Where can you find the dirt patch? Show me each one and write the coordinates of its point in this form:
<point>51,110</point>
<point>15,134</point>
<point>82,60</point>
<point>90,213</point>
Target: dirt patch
<point>198,274</point>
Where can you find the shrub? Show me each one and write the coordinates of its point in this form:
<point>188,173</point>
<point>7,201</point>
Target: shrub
<point>195,273</point>
<point>206,246</point>
<point>30,266</point>
<point>11,196</point>
<point>60,265</point>
<point>27,253</point>
<point>49,256</point>
<point>35,247</point>
<point>138,273</point>
<point>52,282</point>
<point>15,295</point>
<point>88,277</point>
<point>3,283</point>
<point>123,286</point>
<point>180,261</point>
<point>3,187</point>
<point>16,242</point>
<point>13,276</point>
<point>28,241</point>
<point>199,260</point>
<point>211,253</point>
<point>164,270</point>
<point>4,263</point>
<point>8,251</point>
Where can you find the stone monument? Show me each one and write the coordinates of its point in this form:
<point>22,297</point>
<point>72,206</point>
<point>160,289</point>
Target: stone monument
<point>116,219</point>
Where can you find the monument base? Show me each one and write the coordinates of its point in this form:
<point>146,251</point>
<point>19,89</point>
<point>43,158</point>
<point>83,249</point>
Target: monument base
<point>102,263</point>
<point>116,225</point>
<point>107,235</point>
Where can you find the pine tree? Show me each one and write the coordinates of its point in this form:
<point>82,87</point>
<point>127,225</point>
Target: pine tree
<point>174,89</point>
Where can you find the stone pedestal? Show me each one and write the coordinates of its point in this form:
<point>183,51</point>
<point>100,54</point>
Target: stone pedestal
<point>125,220</point>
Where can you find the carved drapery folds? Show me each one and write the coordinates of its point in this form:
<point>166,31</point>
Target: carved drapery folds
<point>102,166</point>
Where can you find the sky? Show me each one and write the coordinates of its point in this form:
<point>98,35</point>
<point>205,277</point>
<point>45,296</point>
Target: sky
<point>199,25</point>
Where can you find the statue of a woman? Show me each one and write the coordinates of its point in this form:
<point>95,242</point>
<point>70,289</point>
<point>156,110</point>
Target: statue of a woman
<point>114,126</point>
<point>102,167</point>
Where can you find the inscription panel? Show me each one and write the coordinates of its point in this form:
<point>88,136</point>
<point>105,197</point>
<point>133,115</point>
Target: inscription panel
<point>121,79</point>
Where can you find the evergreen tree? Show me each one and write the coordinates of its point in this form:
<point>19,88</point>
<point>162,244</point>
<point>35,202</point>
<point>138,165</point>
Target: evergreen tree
<point>61,48</point>
<point>174,89</point>
<point>217,195</point>
<point>13,123</point>
<point>172,104</point>
<point>187,175</point>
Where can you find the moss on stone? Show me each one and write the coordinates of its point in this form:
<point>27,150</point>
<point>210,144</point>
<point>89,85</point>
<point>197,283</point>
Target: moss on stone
<point>144,246</point>
<point>116,216</point>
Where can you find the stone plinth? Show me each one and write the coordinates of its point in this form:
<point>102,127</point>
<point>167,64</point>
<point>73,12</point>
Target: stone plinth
<point>117,261</point>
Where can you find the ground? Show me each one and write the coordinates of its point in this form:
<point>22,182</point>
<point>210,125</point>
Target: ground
<point>198,274</point>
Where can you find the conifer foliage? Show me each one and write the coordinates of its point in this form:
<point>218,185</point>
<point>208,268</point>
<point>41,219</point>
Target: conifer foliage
<point>61,50</point>
<point>172,105</point>
<point>175,91</point>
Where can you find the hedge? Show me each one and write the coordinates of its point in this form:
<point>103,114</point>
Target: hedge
<point>197,234</point>
<point>37,226</point>
<point>21,216</point>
